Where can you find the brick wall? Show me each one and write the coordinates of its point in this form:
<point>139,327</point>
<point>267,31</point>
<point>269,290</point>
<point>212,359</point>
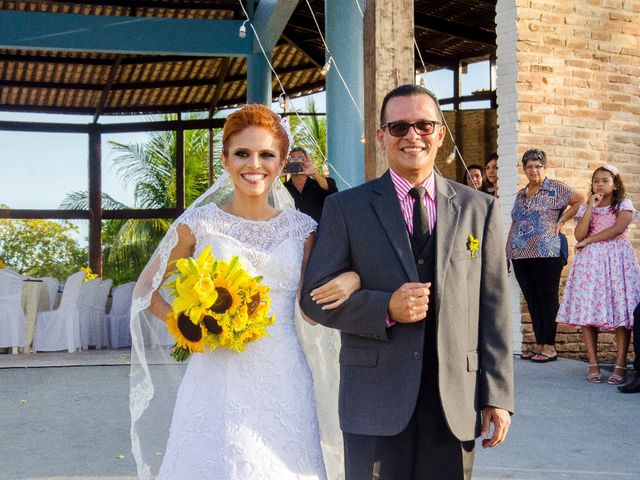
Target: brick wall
<point>476,136</point>
<point>577,93</point>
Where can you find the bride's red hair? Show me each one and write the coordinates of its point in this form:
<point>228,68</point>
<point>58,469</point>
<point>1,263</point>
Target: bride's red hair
<point>255,115</point>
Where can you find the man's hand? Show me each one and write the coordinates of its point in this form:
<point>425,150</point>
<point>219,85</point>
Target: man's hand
<point>409,303</point>
<point>309,168</point>
<point>501,421</point>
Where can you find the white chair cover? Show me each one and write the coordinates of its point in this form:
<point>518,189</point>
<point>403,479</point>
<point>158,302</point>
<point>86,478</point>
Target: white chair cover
<point>118,317</point>
<point>89,326</point>
<point>99,315</point>
<point>52,287</point>
<point>11,272</point>
<point>13,326</point>
<point>59,329</point>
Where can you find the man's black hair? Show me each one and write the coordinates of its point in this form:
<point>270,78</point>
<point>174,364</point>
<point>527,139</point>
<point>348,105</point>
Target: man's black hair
<point>406,91</point>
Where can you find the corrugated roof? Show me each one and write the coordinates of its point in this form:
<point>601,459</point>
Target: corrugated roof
<point>105,83</point>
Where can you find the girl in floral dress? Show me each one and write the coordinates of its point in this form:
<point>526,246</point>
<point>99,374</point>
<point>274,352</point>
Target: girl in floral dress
<point>603,286</point>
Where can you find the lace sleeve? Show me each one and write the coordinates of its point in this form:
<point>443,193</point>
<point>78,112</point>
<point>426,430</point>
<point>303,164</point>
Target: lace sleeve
<point>302,225</point>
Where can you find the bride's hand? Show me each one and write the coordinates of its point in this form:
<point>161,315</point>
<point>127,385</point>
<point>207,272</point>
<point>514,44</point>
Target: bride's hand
<point>335,292</point>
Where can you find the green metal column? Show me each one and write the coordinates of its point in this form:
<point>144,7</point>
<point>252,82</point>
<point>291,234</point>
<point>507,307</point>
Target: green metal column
<point>258,79</point>
<point>345,125</point>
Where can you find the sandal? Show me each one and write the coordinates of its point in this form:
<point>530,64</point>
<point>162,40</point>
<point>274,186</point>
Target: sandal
<point>615,378</point>
<point>594,377</point>
<point>528,355</point>
<point>545,358</point>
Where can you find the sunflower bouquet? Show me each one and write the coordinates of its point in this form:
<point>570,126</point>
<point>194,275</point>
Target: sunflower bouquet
<point>216,304</point>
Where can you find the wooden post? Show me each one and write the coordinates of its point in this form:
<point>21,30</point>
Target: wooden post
<point>388,62</point>
<point>95,199</point>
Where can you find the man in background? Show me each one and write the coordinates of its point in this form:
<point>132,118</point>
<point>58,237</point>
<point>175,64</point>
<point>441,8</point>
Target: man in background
<point>307,187</point>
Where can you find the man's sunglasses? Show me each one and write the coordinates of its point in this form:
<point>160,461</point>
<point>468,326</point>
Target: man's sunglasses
<point>400,129</point>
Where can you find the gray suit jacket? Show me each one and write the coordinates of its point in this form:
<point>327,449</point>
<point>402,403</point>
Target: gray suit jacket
<point>362,229</point>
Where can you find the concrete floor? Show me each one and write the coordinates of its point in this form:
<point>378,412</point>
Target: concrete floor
<point>72,422</point>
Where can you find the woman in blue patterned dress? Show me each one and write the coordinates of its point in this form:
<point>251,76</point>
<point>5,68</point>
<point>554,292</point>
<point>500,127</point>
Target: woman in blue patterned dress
<point>533,247</point>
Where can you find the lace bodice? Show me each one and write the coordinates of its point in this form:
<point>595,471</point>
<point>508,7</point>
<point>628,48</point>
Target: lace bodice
<point>272,248</point>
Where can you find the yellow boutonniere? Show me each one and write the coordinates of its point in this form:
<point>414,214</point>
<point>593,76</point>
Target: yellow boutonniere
<point>472,244</point>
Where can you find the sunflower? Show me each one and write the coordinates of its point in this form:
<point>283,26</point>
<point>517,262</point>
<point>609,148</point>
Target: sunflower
<point>211,324</point>
<point>222,340</point>
<point>188,335</point>
<point>228,297</point>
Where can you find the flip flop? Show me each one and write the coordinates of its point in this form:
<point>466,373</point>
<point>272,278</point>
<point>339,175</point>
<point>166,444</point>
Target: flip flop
<point>528,355</point>
<point>548,358</point>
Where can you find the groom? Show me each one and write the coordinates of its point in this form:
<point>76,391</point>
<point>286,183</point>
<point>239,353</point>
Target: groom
<point>426,362</point>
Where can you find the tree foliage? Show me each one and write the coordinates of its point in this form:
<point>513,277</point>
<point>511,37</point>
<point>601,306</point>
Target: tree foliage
<point>149,168</point>
<point>310,133</point>
<point>41,248</point>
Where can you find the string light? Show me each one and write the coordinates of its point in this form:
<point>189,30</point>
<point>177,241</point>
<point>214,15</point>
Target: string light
<point>242,33</point>
<point>326,67</point>
<point>451,157</point>
<point>283,101</point>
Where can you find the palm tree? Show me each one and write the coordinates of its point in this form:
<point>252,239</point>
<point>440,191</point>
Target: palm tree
<point>310,133</point>
<point>150,169</point>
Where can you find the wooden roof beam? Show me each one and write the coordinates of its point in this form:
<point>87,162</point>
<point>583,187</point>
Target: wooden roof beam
<point>157,4</point>
<point>113,74</point>
<point>222,77</point>
<point>270,20</point>
<point>126,60</point>
<point>455,29</point>
<point>317,58</point>
<point>122,35</point>
<point>145,85</point>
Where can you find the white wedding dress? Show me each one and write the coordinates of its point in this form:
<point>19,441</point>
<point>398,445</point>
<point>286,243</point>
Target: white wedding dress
<point>249,415</point>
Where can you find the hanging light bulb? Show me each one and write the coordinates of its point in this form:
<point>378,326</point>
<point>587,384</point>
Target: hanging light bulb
<point>284,102</point>
<point>242,33</point>
<point>363,139</point>
<point>326,67</point>
<point>451,157</point>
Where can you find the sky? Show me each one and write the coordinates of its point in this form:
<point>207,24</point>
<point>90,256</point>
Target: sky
<point>37,170</point>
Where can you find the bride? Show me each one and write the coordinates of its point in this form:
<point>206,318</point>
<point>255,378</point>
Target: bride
<point>248,415</point>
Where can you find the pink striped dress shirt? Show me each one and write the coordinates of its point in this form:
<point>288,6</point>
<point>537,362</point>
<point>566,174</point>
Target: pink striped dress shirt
<point>403,186</point>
